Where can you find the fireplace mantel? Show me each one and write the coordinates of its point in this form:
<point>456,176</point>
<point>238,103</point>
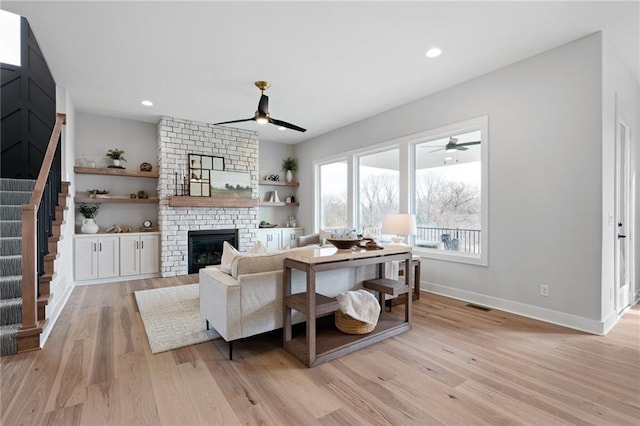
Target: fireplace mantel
<point>179,201</point>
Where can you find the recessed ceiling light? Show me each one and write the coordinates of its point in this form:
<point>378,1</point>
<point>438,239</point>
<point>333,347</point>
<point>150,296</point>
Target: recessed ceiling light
<point>434,52</point>
<point>147,102</point>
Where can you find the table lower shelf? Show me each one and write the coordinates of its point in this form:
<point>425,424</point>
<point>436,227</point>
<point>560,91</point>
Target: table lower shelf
<point>331,343</point>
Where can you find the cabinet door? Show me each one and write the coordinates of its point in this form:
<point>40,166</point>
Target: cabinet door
<point>108,257</point>
<point>270,238</point>
<point>289,236</point>
<point>129,255</point>
<point>86,258</point>
<point>149,254</point>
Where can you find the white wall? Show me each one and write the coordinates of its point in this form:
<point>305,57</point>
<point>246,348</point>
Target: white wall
<point>545,181</point>
<point>271,156</point>
<point>95,135</point>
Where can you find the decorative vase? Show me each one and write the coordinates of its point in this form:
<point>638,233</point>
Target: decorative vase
<point>115,163</point>
<point>89,226</point>
<point>289,176</point>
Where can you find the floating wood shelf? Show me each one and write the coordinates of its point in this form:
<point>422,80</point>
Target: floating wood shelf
<point>281,204</point>
<point>117,200</point>
<point>177,201</point>
<point>115,172</point>
<point>278,183</point>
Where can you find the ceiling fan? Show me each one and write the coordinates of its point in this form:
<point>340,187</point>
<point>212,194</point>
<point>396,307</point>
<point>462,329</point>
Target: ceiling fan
<point>262,113</point>
<point>453,145</point>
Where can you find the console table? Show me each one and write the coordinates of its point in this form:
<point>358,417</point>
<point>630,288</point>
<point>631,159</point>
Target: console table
<point>314,347</point>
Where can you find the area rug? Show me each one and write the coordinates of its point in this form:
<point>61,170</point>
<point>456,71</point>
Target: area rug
<point>171,317</point>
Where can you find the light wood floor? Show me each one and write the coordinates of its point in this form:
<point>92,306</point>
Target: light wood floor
<point>459,365</point>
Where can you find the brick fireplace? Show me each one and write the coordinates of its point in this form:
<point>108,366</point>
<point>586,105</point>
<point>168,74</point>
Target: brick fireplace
<point>177,138</point>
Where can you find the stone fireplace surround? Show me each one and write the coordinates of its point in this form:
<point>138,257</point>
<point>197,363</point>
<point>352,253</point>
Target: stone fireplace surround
<point>177,138</point>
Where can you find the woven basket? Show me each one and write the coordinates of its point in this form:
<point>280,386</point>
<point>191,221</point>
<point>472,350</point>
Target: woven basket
<point>348,325</point>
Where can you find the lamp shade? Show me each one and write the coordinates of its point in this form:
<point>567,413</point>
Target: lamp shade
<point>399,224</point>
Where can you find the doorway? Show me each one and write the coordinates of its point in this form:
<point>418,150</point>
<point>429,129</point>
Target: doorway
<point>623,230</point>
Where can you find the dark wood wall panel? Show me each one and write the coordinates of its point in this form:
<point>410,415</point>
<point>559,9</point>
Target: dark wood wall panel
<point>28,110</point>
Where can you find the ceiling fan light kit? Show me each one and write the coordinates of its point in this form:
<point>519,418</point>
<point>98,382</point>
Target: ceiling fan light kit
<point>261,115</point>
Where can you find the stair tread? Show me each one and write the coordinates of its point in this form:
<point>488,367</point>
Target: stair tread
<point>10,329</point>
<point>11,302</point>
<point>12,256</point>
<point>7,278</point>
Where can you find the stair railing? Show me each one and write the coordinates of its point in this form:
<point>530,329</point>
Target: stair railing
<point>37,218</point>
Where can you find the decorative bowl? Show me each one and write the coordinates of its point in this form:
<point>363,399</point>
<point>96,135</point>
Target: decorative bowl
<point>344,243</point>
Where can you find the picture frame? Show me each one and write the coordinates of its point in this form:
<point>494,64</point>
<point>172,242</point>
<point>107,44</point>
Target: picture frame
<point>231,184</point>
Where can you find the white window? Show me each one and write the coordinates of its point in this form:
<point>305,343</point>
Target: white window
<point>332,195</point>
<point>440,175</point>
<point>378,189</point>
<point>9,38</point>
<point>449,197</point>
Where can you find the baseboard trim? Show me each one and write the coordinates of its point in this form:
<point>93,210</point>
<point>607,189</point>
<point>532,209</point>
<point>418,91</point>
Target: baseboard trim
<point>529,311</point>
<point>51,320</point>
<point>117,279</point>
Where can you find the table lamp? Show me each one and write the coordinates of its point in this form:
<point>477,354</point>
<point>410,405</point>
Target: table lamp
<point>399,225</point>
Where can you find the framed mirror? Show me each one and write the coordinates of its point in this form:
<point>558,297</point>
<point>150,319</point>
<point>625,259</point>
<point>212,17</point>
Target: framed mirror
<point>200,168</point>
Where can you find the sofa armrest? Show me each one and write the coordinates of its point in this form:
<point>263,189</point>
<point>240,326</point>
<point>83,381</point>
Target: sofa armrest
<point>220,303</point>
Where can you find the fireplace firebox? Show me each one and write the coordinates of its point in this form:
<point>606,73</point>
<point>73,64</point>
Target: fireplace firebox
<point>205,247</point>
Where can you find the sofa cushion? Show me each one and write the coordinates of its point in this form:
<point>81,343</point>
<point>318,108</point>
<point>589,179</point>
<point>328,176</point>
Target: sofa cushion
<point>247,263</point>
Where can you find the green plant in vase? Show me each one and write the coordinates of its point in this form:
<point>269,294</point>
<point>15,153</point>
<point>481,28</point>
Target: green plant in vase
<point>89,212</point>
<point>289,165</point>
<point>117,156</point>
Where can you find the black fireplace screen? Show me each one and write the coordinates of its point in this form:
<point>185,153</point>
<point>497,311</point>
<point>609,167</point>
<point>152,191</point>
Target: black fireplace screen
<point>205,247</point>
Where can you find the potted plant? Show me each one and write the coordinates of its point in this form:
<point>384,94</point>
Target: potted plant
<point>116,155</point>
<point>289,165</point>
<point>89,212</point>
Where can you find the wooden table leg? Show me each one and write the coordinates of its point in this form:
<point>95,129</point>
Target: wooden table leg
<point>416,278</point>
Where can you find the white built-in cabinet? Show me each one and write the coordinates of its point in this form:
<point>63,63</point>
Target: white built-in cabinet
<point>277,238</point>
<point>139,254</point>
<point>97,257</point>
<point>114,257</point>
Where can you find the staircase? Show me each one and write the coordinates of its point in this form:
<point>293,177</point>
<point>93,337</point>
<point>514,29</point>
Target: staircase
<point>13,194</point>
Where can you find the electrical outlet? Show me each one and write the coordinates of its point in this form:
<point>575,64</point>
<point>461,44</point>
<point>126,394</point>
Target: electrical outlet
<point>544,290</point>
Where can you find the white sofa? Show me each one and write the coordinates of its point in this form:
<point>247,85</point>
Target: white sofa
<point>249,300</point>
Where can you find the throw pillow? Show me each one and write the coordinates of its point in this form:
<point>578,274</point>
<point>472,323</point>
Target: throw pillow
<point>228,253</point>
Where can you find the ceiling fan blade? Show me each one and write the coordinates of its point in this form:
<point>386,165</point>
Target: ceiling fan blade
<point>236,121</point>
<point>468,143</point>
<point>461,148</point>
<point>437,149</point>
<point>287,125</point>
<point>263,105</point>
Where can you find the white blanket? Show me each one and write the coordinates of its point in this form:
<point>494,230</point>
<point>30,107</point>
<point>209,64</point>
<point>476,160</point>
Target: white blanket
<point>392,270</point>
<point>360,305</point>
